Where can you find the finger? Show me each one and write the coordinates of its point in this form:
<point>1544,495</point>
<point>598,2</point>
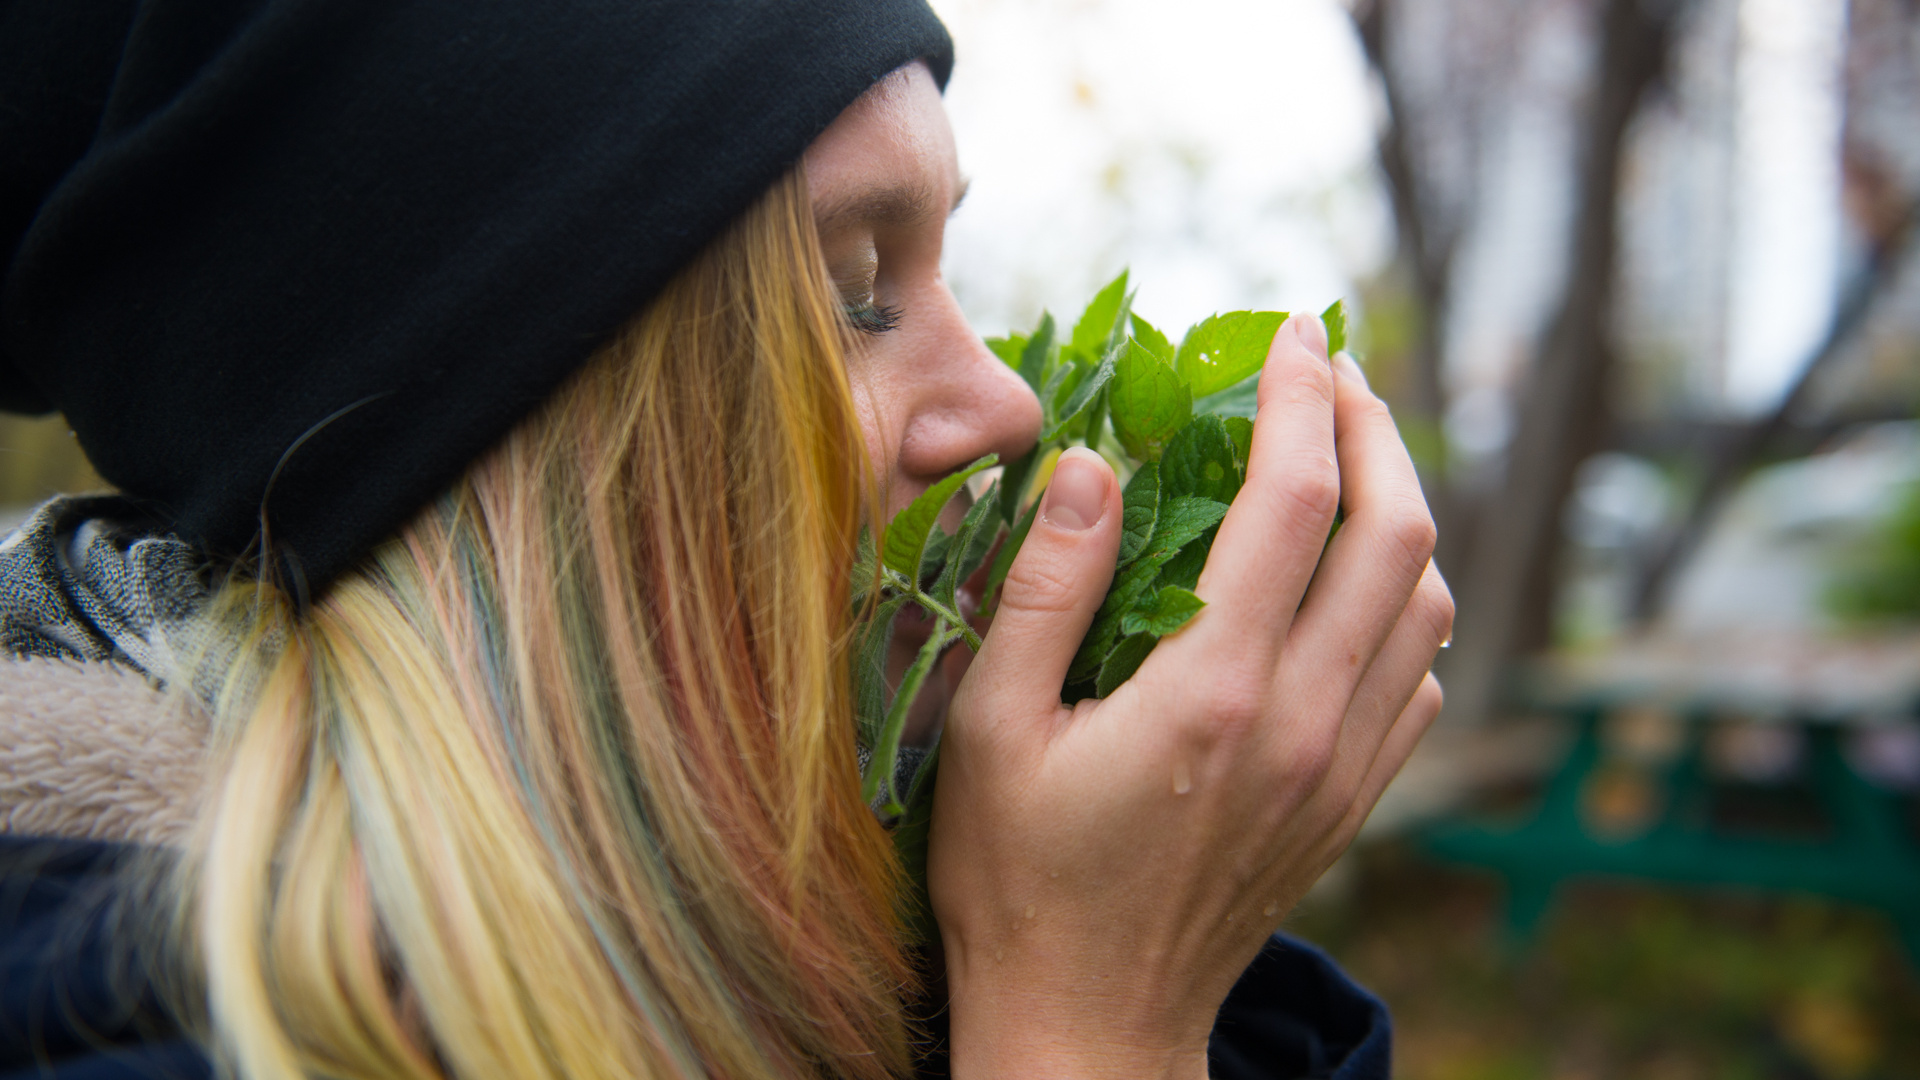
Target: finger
<point>1380,554</point>
<point>1415,718</point>
<point>1396,674</point>
<point>1268,544</point>
<point>1052,590</point>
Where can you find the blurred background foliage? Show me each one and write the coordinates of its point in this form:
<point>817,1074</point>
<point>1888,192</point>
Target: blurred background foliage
<point>39,457</point>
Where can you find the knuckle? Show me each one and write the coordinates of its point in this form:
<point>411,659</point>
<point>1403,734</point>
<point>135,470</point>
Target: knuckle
<point>1313,490</point>
<point>1038,586</point>
<point>1236,703</point>
<point>1432,605</point>
<point>1410,526</point>
<point>1310,761</point>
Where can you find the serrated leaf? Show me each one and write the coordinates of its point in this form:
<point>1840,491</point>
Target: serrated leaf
<point>1129,585</point>
<point>881,766</point>
<point>1060,380</point>
<point>1081,398</point>
<point>935,554</point>
<point>1149,401</point>
<point>1009,349</point>
<point>1199,461</point>
<point>1103,316</point>
<point>910,834</point>
<point>1240,430</point>
<point>1033,361</point>
<point>906,538</point>
<point>1122,662</point>
<point>1180,522</point>
<point>870,671</point>
<point>1140,507</point>
<point>1183,570</point>
<point>1156,342</point>
<point>1013,483</point>
<point>1004,561</point>
<point>1183,519</point>
<point>1162,612</point>
<point>956,569</point>
<point>1335,320</point>
<point>1224,349</point>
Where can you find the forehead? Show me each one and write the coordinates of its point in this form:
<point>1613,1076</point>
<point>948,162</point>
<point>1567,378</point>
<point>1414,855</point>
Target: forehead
<point>889,157</point>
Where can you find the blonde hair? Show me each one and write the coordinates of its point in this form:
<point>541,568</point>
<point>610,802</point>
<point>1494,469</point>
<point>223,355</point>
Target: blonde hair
<point>561,781</point>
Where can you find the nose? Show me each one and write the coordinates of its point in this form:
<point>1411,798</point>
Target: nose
<point>966,403</point>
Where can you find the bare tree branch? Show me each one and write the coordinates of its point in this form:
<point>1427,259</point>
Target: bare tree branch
<point>1738,455</point>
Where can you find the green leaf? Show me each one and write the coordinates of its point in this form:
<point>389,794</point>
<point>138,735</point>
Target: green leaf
<point>1149,401</point>
<point>1081,399</point>
<point>1199,461</point>
<point>1129,585</point>
<point>1240,399</point>
<point>1033,361</point>
<point>1013,483</point>
<point>1140,507</point>
<point>935,554</point>
<point>1122,662</point>
<point>1240,430</point>
<point>1156,342</point>
<point>1162,612</point>
<point>1335,318</point>
<point>906,538</point>
<point>1004,561</point>
<point>1182,521</point>
<point>1103,317</point>
<point>882,765</point>
<point>870,671</point>
<point>910,834</point>
<point>1224,349</point>
<point>1009,349</point>
<point>1183,570</point>
<point>962,551</point>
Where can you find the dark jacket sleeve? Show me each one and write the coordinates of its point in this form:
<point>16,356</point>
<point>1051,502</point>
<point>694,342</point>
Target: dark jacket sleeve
<point>75,1002</point>
<point>1294,1013</point>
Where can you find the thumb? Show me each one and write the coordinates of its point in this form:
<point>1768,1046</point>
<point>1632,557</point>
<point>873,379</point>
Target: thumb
<point>1052,590</point>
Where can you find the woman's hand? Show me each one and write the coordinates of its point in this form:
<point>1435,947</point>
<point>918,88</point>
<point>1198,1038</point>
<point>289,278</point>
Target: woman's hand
<point>1102,874</point>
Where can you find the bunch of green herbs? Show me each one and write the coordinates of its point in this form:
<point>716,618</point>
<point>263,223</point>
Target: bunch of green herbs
<point>1176,421</point>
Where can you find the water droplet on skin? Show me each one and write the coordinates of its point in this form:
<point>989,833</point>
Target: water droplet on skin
<point>1272,909</point>
<point>1030,911</point>
<point>1053,873</point>
<point>999,953</point>
<point>1182,779</point>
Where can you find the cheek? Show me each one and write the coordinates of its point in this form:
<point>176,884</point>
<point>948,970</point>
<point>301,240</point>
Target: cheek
<point>880,407</point>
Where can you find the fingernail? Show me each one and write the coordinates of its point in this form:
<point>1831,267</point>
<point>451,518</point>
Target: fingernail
<point>1077,495</point>
<point>1345,364</point>
<point>1311,332</point>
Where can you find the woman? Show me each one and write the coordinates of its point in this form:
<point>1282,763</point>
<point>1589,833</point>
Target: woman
<point>516,621</point>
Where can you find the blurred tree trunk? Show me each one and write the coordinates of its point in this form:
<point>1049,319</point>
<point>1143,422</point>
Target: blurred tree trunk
<point>1506,592</point>
<point>1425,257</point>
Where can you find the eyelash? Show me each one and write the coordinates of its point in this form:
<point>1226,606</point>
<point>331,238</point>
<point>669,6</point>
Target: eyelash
<point>870,318</point>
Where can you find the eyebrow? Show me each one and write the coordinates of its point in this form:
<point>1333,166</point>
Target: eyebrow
<point>895,205</point>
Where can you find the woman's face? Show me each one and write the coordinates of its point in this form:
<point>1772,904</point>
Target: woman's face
<point>931,397</point>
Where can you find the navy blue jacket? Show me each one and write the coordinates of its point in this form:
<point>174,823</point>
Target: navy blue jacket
<point>75,1007</point>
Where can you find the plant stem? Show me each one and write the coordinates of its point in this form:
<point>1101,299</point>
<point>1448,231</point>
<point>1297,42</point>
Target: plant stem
<point>934,607</point>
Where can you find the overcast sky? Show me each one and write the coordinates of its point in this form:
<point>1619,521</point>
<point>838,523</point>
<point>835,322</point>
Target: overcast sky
<point>1224,150</point>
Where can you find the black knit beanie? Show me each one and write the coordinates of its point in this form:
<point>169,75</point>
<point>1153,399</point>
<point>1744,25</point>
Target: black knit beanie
<point>323,253</point>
